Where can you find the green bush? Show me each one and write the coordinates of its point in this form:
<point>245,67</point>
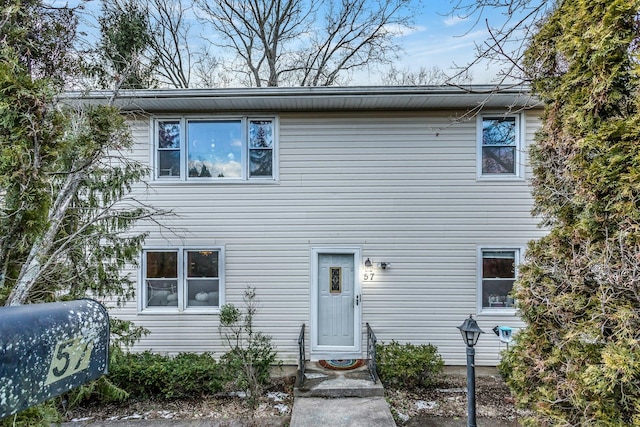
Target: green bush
<point>153,375</point>
<point>408,365</point>
<point>42,415</point>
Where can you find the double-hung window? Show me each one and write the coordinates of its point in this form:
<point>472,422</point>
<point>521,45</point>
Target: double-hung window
<point>498,269</point>
<point>215,149</point>
<point>499,146</point>
<point>181,279</point>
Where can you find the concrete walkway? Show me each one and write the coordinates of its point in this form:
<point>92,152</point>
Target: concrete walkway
<point>341,411</point>
<point>339,398</point>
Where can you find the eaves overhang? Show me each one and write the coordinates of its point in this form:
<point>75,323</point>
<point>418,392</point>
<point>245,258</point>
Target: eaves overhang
<point>278,99</point>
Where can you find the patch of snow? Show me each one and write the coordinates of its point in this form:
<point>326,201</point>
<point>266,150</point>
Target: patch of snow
<point>284,409</point>
<point>313,376</point>
<point>421,404</point>
<point>277,396</point>
<point>167,415</point>
<point>133,417</point>
<point>403,417</point>
<point>451,390</point>
<point>79,420</point>
<point>240,394</point>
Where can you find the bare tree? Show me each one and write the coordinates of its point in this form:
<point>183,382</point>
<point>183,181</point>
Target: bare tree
<point>356,34</point>
<point>280,42</point>
<point>422,77</point>
<point>170,42</point>
<point>507,39</point>
<point>256,31</point>
<point>207,70</point>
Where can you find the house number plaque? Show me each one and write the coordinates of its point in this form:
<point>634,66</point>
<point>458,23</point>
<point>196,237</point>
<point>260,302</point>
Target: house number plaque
<point>335,280</point>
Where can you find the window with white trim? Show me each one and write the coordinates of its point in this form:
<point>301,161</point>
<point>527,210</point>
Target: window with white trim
<point>181,279</point>
<point>214,149</point>
<point>499,146</point>
<point>498,269</point>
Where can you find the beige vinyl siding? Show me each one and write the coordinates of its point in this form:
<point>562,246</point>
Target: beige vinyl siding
<point>399,185</point>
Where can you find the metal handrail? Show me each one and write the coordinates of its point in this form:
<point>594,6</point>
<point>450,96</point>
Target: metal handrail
<point>301,356</point>
<point>371,354</point>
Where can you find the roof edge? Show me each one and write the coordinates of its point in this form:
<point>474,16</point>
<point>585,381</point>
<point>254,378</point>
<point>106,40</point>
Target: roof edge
<point>311,98</point>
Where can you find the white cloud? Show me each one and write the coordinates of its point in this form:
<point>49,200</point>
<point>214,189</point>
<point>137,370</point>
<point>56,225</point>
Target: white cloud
<point>403,30</point>
<point>453,20</point>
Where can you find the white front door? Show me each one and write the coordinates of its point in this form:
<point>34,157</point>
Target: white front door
<point>336,330</point>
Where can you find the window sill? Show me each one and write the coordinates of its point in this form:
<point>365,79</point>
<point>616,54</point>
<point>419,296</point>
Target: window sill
<point>498,312</point>
<point>181,182</point>
<point>188,311</point>
<point>506,178</point>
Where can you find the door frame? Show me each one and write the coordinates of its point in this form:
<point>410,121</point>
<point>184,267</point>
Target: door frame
<point>336,352</point>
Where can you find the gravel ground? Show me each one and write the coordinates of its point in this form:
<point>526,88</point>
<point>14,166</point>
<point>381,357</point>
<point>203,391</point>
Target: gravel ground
<point>446,399</point>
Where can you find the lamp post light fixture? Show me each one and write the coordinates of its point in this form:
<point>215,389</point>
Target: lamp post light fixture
<point>470,333</point>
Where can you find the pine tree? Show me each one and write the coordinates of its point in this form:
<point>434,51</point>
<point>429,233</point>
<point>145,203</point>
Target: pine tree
<point>125,40</point>
<point>578,360</point>
<point>66,211</point>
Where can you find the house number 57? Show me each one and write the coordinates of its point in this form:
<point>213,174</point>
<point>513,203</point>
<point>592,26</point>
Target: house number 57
<point>69,357</point>
<point>368,276</point>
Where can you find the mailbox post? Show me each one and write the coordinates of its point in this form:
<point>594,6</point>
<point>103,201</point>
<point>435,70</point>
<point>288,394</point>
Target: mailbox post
<point>49,349</point>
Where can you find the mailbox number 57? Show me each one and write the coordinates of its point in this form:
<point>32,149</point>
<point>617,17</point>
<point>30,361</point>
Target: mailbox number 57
<point>69,357</point>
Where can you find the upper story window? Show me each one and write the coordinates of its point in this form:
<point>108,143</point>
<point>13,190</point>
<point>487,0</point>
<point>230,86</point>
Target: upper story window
<point>498,269</point>
<point>499,146</point>
<point>181,280</point>
<point>215,149</point>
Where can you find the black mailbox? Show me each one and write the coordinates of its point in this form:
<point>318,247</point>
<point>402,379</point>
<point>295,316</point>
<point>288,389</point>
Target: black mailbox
<point>48,349</point>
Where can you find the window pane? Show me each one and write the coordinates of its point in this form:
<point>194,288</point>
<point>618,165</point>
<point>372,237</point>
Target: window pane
<point>215,149</point>
<point>495,293</point>
<point>162,265</point>
<point>202,264</point>
<point>498,160</point>
<point>498,273</point>
<point>498,264</point>
<point>260,134</point>
<point>261,162</point>
<point>169,134</point>
<point>169,163</point>
<point>499,131</point>
<point>202,292</point>
<point>162,293</point>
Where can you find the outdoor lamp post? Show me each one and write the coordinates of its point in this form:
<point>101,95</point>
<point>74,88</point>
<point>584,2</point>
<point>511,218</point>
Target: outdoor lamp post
<point>470,334</point>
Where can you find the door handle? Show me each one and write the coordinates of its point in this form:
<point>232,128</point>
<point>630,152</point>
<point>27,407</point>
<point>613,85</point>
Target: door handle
<point>357,299</point>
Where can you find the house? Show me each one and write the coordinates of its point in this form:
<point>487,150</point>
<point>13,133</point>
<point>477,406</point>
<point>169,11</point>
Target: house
<point>405,208</point>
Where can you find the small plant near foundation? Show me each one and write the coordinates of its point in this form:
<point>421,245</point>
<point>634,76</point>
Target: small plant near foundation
<point>408,365</point>
<point>247,363</point>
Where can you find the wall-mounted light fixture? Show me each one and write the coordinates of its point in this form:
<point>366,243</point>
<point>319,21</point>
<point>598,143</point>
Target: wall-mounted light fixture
<point>368,266</point>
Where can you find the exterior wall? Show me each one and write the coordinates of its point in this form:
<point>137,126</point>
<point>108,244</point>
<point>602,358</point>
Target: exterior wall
<point>401,186</point>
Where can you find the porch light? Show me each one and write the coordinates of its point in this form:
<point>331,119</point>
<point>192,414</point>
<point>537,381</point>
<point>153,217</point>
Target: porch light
<point>368,267</point>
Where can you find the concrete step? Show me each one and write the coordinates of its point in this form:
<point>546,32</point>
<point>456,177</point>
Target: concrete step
<point>339,398</point>
<point>321,382</point>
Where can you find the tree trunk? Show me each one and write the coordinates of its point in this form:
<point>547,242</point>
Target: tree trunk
<point>32,267</point>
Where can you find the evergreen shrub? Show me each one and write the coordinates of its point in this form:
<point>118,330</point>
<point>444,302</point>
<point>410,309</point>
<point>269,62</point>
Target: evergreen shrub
<point>408,365</point>
<point>150,375</point>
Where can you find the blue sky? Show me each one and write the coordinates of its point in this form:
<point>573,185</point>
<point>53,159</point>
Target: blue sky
<point>445,39</point>
<point>439,38</point>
